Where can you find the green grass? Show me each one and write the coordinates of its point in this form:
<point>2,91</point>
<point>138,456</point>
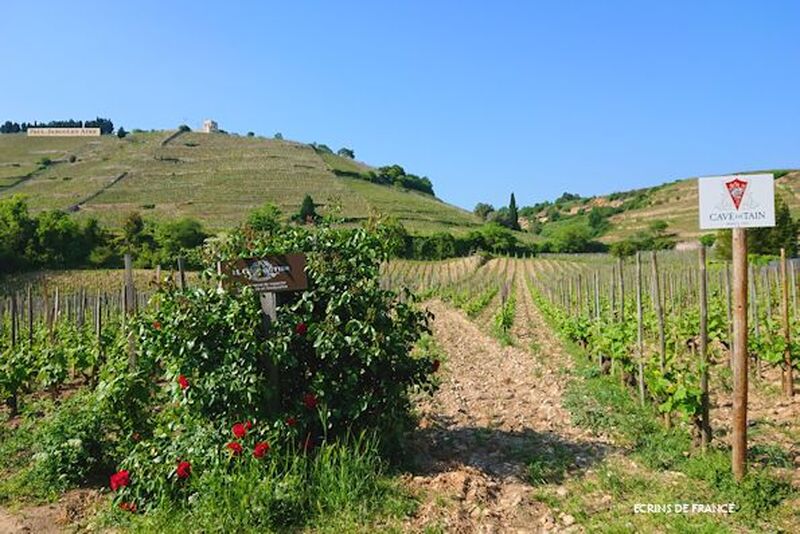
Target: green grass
<point>216,179</point>
<point>659,466</point>
<point>342,488</point>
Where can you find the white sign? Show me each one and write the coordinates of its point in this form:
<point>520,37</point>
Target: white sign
<point>738,201</point>
<point>63,132</point>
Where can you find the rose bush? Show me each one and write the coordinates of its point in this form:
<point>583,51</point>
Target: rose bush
<point>337,361</point>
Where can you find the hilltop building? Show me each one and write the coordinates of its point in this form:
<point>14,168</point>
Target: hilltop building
<point>210,126</point>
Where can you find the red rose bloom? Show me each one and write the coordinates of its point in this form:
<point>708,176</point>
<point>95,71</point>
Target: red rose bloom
<point>128,507</point>
<point>235,447</point>
<point>183,382</point>
<point>248,425</point>
<point>261,449</point>
<point>291,421</point>
<point>120,479</point>
<point>301,329</point>
<point>239,430</point>
<point>157,325</point>
<point>436,364</point>
<point>310,400</point>
<point>184,469</point>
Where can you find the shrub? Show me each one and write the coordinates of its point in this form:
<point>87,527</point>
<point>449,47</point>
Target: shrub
<point>337,360</point>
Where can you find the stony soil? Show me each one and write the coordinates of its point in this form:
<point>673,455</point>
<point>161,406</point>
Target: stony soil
<point>497,409</point>
<point>51,518</point>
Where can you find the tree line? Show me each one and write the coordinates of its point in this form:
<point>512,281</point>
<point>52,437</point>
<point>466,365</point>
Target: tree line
<point>106,125</point>
<point>54,240</point>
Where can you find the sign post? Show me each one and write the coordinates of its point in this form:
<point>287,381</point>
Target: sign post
<point>738,202</point>
<point>268,276</point>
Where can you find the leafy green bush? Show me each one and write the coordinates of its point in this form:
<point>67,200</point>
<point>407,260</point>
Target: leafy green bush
<point>73,445</point>
<point>337,360</point>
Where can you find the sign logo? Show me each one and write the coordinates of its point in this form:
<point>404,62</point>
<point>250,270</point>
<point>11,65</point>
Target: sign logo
<point>269,274</point>
<point>263,270</point>
<point>736,189</point>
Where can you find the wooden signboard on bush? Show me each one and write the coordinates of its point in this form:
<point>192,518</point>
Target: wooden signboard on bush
<point>269,274</point>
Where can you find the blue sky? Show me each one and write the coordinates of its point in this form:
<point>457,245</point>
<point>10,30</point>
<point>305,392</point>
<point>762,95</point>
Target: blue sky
<point>485,98</point>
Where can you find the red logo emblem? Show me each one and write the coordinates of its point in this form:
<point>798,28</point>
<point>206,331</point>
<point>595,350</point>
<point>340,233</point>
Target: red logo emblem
<point>736,190</point>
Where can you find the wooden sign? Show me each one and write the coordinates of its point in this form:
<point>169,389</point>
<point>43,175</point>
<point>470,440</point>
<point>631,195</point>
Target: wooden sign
<point>269,274</point>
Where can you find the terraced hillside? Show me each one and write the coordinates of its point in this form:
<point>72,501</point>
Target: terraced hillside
<point>215,178</point>
<point>676,203</point>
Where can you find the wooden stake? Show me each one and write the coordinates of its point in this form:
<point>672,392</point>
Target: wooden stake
<point>662,339</point>
<point>130,308</point>
<point>181,274</point>
<point>787,376</point>
<point>705,428</point>
<point>729,311</point>
<point>621,291</point>
<point>640,325</point>
<point>739,414</point>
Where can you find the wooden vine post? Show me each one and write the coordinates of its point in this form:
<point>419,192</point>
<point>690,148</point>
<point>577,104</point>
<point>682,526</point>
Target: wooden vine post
<point>786,376</point>
<point>662,340</point>
<point>640,326</point>
<point>705,425</point>
<point>130,308</point>
<point>268,276</point>
<point>737,203</point>
<point>739,423</point>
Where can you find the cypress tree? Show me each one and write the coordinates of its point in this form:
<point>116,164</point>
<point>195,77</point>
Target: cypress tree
<point>513,216</point>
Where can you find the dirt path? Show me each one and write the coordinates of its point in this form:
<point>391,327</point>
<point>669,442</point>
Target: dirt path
<point>498,410</point>
<point>53,518</point>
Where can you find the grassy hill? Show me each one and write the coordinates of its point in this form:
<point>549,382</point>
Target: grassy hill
<point>673,202</point>
<point>215,178</point>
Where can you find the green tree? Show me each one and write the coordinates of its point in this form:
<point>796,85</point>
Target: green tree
<point>707,240</point>
<point>307,213</point>
<point>121,133</point>
<point>175,237</point>
<point>265,218</point>
<point>16,233</point>
<point>767,240</point>
<point>623,249</point>
<point>132,230</point>
<point>58,241</point>
<point>483,210</point>
<point>513,216</point>
<point>494,237</point>
<point>572,238</point>
<point>597,220</point>
<point>346,153</point>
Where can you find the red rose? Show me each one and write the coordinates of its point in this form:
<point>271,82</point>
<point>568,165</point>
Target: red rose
<point>239,430</point>
<point>184,469</point>
<point>235,447</point>
<point>120,479</point>
<point>261,449</point>
<point>184,383</point>
<point>301,329</point>
<point>291,421</point>
<point>436,364</point>
<point>310,400</point>
<point>128,507</point>
<point>248,425</point>
<point>157,325</point>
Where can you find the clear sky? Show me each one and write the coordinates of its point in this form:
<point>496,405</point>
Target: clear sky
<point>485,98</point>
